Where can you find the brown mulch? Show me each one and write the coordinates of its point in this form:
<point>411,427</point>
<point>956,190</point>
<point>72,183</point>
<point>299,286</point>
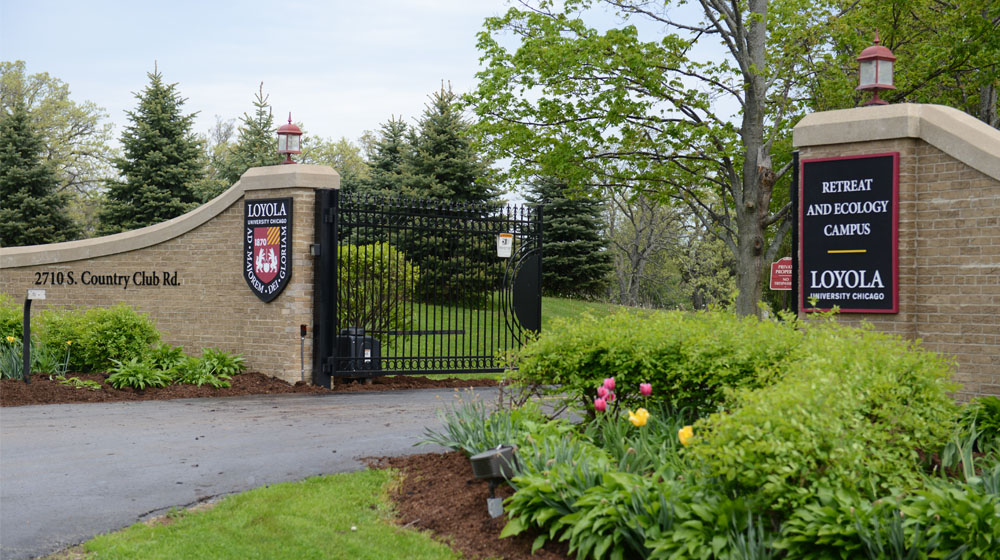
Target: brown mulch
<point>43,390</point>
<point>440,494</point>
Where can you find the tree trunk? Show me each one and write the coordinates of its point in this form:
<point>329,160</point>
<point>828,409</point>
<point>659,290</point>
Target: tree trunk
<point>988,105</point>
<point>758,178</point>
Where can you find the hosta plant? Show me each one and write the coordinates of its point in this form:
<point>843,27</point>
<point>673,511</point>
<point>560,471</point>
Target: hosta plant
<point>137,374</point>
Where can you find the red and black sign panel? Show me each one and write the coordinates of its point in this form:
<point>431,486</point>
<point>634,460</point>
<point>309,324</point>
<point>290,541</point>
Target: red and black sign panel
<point>267,246</point>
<point>848,234</point>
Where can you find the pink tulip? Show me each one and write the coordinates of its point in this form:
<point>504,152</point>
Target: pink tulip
<point>609,384</point>
<point>600,405</point>
<point>611,397</point>
<point>602,392</point>
<point>645,389</point>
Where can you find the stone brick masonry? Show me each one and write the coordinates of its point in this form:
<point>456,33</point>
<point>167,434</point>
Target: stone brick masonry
<point>949,227</point>
<point>211,304</point>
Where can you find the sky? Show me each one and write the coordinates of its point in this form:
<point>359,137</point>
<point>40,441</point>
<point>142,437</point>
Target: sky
<point>340,67</point>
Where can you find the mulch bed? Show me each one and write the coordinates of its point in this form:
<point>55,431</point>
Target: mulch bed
<point>440,494</point>
<point>43,390</point>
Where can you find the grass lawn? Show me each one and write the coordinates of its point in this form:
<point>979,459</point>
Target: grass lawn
<point>552,308</point>
<point>335,516</point>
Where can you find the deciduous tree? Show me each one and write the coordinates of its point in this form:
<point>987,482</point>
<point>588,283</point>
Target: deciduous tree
<point>74,136</point>
<point>947,53</point>
<point>342,155</point>
<point>611,110</point>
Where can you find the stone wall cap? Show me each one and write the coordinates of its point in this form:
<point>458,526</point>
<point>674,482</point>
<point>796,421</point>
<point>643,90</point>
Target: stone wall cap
<point>954,132</point>
<point>257,178</point>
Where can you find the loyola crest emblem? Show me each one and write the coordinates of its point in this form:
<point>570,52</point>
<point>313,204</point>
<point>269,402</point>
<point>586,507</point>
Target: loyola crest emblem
<point>267,246</point>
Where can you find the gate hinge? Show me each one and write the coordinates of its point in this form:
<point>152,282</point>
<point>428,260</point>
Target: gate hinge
<point>328,215</point>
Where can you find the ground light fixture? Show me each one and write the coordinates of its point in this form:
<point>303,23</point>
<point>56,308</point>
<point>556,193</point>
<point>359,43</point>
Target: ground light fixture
<point>289,140</point>
<point>495,465</point>
<point>875,71</point>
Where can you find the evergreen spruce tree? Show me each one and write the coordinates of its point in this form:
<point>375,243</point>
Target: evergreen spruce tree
<point>444,164</point>
<point>574,259</point>
<point>257,144</point>
<point>162,162</point>
<point>443,161</point>
<point>386,157</point>
<point>32,212</point>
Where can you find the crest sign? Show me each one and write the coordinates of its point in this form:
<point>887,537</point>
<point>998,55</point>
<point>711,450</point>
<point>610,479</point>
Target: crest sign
<point>267,246</point>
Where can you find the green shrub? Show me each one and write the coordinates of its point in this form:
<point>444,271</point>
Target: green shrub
<point>691,359</point>
<point>364,271</point>
<point>98,335</point>
<point>11,317</point>
<point>137,374</point>
<point>56,327</point>
<point>858,410</point>
<point>112,334</point>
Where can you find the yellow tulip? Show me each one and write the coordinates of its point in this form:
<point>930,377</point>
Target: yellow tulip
<point>685,434</point>
<point>10,339</point>
<point>68,342</point>
<point>639,417</point>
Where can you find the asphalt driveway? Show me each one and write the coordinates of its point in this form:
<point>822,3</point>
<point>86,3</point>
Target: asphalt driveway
<point>69,472</point>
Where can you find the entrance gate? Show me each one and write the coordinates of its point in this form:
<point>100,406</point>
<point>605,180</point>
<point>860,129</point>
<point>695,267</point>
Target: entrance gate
<point>408,286</point>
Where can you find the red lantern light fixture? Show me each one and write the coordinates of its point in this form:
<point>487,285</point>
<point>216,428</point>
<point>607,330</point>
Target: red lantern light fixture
<point>289,140</point>
<point>875,71</point>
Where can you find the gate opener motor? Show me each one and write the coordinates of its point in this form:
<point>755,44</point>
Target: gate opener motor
<point>357,352</point>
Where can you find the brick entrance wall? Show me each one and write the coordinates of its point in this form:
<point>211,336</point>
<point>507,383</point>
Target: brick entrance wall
<point>949,227</point>
<point>211,305</point>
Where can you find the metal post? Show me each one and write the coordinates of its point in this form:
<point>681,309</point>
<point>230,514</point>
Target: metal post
<point>26,333</point>
<point>26,342</point>
<point>302,350</point>
<point>325,315</point>
<point>794,197</point>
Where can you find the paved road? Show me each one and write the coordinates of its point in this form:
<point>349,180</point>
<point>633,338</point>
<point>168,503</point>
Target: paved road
<point>68,472</point>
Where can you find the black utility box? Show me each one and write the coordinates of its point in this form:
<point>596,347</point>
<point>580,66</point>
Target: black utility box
<point>358,353</point>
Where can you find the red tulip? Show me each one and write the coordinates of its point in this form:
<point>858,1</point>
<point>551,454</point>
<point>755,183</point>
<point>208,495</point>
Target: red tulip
<point>600,405</point>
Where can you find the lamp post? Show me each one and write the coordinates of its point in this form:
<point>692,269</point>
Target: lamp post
<point>875,71</point>
<point>289,137</point>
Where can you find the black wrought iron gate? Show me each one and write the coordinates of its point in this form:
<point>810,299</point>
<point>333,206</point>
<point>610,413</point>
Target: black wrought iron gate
<point>407,286</point>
